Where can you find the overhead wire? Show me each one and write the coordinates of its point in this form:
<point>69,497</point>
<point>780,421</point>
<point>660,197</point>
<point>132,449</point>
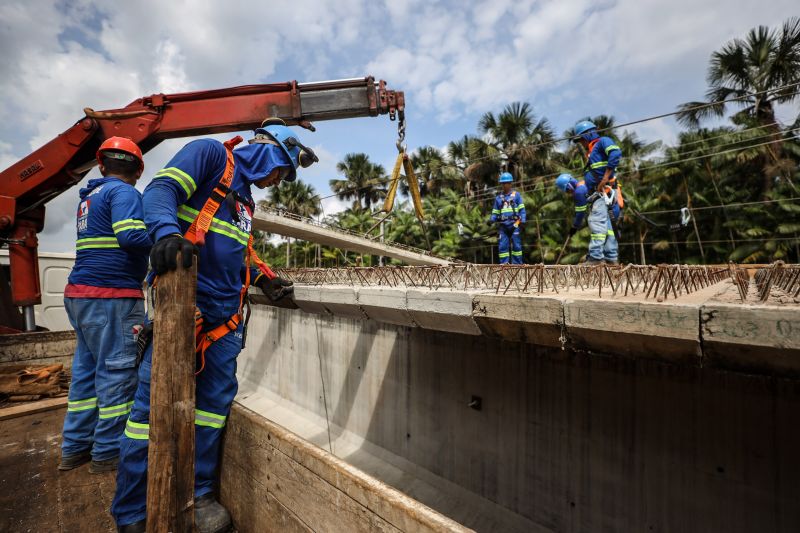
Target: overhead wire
<point>616,126</point>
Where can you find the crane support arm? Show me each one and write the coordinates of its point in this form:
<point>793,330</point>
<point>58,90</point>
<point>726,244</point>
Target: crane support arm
<point>26,186</point>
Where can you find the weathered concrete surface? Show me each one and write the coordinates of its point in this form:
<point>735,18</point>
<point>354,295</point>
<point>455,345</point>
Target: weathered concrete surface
<point>646,329</point>
<point>752,338</point>
<point>564,441</point>
<point>534,319</point>
<point>297,229</point>
<point>697,329</point>
<point>41,347</point>
<point>442,310</point>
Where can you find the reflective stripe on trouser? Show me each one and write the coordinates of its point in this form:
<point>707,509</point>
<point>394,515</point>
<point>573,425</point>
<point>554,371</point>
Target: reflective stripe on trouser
<point>603,243</point>
<point>215,388</point>
<point>103,373</point>
<point>510,244</point>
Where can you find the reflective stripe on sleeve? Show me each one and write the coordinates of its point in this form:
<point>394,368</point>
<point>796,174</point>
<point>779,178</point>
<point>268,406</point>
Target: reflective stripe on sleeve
<point>128,224</point>
<point>580,208</point>
<point>218,226</point>
<point>600,164</point>
<point>183,179</point>
<point>611,147</point>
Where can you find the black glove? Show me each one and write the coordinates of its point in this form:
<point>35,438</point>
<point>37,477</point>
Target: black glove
<point>164,252</point>
<point>275,288</point>
<point>572,231</point>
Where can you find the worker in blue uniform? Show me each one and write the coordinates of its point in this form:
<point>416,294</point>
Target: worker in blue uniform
<point>172,201</point>
<point>509,213</point>
<point>603,158</point>
<point>105,305</point>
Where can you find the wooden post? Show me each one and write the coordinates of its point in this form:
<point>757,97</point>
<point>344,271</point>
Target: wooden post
<point>170,471</point>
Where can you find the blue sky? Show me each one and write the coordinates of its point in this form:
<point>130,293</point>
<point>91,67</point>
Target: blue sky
<point>454,60</point>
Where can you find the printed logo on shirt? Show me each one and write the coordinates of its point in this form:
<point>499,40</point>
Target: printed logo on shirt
<point>97,190</point>
<point>83,215</point>
<point>245,222</point>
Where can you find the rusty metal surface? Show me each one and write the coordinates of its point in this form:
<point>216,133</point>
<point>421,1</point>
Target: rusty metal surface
<point>650,281</point>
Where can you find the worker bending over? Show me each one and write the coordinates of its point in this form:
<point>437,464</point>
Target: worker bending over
<point>509,212</point>
<point>105,305</point>
<point>603,158</point>
<point>192,181</point>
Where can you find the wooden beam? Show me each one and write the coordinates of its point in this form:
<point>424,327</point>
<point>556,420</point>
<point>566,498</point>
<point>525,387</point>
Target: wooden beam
<point>32,408</point>
<point>170,472</point>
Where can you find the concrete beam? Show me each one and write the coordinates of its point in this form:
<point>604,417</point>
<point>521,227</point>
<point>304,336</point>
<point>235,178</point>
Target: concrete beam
<point>298,229</point>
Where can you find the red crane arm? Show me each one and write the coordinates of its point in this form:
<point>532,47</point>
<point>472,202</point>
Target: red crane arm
<point>58,165</point>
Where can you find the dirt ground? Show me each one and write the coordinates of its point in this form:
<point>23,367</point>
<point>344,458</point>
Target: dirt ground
<point>34,495</point>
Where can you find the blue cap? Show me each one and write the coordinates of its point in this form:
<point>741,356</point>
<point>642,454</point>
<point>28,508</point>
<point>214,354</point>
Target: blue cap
<point>506,177</point>
<point>563,182</point>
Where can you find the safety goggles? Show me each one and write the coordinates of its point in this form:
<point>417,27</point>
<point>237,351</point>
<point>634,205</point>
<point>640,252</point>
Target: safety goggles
<point>122,156</point>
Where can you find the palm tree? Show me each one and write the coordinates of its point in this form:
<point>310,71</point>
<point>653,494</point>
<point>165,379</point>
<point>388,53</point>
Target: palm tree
<point>755,71</point>
<point>364,181</point>
<point>297,198</point>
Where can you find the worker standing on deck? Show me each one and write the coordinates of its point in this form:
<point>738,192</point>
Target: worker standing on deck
<point>191,182</point>
<point>509,212</point>
<point>105,305</point>
<point>603,158</point>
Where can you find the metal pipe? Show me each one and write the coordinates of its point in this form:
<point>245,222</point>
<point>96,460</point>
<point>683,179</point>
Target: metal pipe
<point>30,318</point>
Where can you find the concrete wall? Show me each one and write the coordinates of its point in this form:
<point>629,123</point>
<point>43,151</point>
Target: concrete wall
<point>564,440</point>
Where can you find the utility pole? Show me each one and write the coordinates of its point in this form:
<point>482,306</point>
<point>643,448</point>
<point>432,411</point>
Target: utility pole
<point>170,470</point>
<point>380,259</point>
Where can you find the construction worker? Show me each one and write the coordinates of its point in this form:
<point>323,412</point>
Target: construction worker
<point>193,181</point>
<point>509,212</point>
<point>603,158</point>
<point>105,305</point>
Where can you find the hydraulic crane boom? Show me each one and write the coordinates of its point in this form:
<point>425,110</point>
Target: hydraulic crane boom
<point>58,165</point>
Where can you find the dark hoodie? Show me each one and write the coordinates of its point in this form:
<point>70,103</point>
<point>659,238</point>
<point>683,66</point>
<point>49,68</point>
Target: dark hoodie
<point>113,243</point>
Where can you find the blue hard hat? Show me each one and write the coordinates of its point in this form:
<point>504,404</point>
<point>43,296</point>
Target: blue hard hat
<point>299,155</point>
<point>563,181</point>
<point>506,177</point>
<point>584,126</point>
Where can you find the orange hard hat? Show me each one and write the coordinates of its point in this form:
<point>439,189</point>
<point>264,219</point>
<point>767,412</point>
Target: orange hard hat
<point>121,144</point>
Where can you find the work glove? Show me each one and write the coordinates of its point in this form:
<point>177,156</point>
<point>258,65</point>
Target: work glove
<point>163,254</point>
<point>276,288</point>
<point>572,231</point>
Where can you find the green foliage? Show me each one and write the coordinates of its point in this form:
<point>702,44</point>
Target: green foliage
<point>753,160</point>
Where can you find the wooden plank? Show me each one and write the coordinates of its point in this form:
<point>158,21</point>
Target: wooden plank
<point>297,488</point>
<point>397,509</point>
<point>250,504</point>
<point>170,472</point>
<point>39,406</point>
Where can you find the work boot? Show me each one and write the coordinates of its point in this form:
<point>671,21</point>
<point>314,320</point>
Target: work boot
<point>136,527</point>
<point>608,262</point>
<point>105,465</point>
<point>210,516</point>
<point>592,262</point>
<point>68,462</point>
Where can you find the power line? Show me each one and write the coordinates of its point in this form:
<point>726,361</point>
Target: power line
<point>617,126</point>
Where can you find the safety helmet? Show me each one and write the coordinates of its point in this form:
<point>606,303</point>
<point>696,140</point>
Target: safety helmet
<point>506,177</point>
<point>120,148</point>
<point>584,126</point>
<point>275,130</point>
<point>564,182</point>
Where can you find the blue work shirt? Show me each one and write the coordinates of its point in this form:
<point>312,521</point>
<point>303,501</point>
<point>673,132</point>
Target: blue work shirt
<point>177,194</point>
<point>113,244</point>
<point>604,153</point>
<point>508,208</point>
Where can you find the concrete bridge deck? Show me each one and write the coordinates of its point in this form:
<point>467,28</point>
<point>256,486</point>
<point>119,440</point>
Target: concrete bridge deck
<point>290,225</point>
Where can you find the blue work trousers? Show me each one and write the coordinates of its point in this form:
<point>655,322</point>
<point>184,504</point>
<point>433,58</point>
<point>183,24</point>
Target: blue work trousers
<point>215,388</point>
<point>103,373</point>
<point>603,243</point>
<point>509,244</point>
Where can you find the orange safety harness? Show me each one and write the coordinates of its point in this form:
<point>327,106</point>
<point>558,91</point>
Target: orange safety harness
<point>612,182</point>
<point>197,235</point>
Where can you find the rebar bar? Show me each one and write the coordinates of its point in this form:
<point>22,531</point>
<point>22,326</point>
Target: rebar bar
<point>656,281</point>
<point>780,276</point>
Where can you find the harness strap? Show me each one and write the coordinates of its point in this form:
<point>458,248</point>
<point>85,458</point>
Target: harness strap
<point>196,234</point>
